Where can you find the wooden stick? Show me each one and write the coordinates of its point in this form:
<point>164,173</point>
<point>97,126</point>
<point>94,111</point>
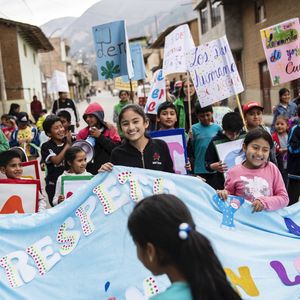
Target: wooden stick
<point>189,100</point>
<point>131,91</point>
<point>241,111</point>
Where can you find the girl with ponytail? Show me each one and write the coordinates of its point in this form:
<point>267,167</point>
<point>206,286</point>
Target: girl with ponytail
<point>168,243</point>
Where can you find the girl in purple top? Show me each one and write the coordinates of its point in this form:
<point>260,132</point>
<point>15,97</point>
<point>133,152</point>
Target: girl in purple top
<point>257,179</point>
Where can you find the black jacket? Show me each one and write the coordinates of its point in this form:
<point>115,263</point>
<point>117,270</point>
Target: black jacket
<point>293,161</point>
<point>156,156</point>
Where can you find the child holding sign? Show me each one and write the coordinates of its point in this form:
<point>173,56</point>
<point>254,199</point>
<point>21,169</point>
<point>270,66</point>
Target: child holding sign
<point>257,179</point>
<point>185,256</point>
<point>138,150</point>
<point>11,166</point>
<point>75,164</point>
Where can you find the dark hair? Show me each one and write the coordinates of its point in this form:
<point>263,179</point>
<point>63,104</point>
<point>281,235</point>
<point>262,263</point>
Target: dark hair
<point>201,110</point>
<point>123,91</point>
<point>65,115</point>
<point>70,155</point>
<point>7,156</point>
<point>258,133</point>
<point>233,122</point>
<point>156,220</point>
<point>44,110</point>
<point>13,108</point>
<point>282,92</point>
<point>165,105</point>
<point>5,117</point>
<point>135,108</point>
<point>283,117</point>
<point>49,121</point>
<point>182,94</point>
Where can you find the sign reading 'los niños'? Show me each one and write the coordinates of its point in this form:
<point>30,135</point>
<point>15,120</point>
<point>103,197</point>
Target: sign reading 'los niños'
<point>282,50</point>
<point>214,72</point>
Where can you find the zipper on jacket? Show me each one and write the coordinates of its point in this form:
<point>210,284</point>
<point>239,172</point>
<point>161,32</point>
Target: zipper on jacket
<point>143,162</point>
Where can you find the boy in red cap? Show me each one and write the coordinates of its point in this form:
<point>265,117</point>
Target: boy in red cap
<point>104,136</point>
<point>253,115</point>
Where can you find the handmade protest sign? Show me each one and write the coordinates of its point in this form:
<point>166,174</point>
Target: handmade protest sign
<point>281,44</point>
<point>18,196</point>
<point>70,184</point>
<point>112,50</point>
<point>59,82</point>
<point>231,153</point>
<point>137,63</point>
<point>83,244</point>
<point>157,93</point>
<point>177,44</point>
<point>125,86</point>
<point>175,139</point>
<point>31,169</point>
<point>214,72</point>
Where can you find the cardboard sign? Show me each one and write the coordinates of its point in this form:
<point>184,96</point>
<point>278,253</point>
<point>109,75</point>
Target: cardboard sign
<point>70,184</point>
<point>86,253</point>
<point>282,49</point>
<point>177,44</point>
<point>157,93</point>
<point>125,86</point>
<point>112,50</point>
<point>31,169</point>
<point>214,72</point>
<point>19,196</point>
<point>175,139</point>
<point>231,153</point>
<point>59,82</point>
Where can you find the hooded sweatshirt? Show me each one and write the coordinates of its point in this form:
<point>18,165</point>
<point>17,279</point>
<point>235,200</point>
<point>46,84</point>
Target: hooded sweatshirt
<point>105,143</point>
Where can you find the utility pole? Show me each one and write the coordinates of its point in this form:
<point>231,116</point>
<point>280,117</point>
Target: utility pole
<point>3,95</point>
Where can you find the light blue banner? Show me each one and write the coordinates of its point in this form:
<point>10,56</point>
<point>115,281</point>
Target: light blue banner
<point>81,249</point>
<point>112,55</point>
<point>137,63</point>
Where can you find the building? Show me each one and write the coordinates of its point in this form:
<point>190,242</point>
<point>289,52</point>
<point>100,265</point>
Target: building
<point>20,74</point>
<point>241,21</point>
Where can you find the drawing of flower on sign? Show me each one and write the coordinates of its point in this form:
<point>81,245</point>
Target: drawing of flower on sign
<point>110,70</point>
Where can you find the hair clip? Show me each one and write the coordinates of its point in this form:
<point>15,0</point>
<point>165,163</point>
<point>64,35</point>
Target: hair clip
<point>184,230</point>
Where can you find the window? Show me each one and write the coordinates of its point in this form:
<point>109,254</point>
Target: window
<point>265,86</point>
<point>216,12</point>
<point>260,11</point>
<point>25,50</point>
<point>204,19</point>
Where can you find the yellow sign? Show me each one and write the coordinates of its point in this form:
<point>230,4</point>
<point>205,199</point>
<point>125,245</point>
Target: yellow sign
<point>121,85</point>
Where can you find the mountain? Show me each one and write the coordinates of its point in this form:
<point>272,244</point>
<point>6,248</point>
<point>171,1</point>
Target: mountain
<point>56,27</point>
<point>143,18</point>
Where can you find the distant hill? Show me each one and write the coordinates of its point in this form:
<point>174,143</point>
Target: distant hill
<point>143,17</point>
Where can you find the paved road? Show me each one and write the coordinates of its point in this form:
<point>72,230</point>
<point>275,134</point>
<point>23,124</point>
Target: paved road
<point>106,100</point>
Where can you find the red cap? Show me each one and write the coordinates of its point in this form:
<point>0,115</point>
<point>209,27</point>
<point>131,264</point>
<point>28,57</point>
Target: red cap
<point>252,104</point>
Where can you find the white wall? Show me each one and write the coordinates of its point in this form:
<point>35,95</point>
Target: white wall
<point>30,72</point>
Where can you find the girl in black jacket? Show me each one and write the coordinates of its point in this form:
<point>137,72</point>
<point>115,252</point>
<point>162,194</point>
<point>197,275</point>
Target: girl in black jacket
<point>138,150</point>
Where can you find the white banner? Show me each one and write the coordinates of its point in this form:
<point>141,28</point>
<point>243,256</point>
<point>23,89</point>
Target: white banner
<point>177,44</point>
<point>214,72</point>
<point>59,82</point>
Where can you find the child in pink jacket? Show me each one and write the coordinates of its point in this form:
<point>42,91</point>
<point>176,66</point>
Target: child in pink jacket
<point>257,179</point>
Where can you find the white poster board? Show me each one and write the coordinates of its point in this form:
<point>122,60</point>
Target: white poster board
<point>70,184</point>
<point>177,44</point>
<point>231,153</point>
<point>214,72</point>
<point>59,82</point>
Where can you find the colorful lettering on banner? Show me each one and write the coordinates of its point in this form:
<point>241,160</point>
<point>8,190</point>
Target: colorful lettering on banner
<point>292,226</point>
<point>112,50</point>
<point>282,273</point>
<point>135,192</point>
<point>282,50</point>
<point>245,280</point>
<point>214,72</point>
<point>157,93</point>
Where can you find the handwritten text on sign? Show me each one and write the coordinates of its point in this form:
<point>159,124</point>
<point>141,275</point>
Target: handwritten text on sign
<point>214,72</point>
<point>282,50</point>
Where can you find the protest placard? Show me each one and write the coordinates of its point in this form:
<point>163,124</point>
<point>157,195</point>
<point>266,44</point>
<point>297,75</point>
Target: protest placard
<point>214,72</point>
<point>31,169</point>
<point>157,93</point>
<point>137,63</point>
<point>90,253</point>
<point>125,86</point>
<point>175,139</point>
<point>59,82</point>
<point>230,152</point>
<point>177,44</point>
<point>19,196</point>
<point>112,50</point>
<point>281,44</point>
<point>70,184</point>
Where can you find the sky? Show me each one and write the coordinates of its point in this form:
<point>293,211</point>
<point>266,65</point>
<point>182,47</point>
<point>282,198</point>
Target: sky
<point>39,12</point>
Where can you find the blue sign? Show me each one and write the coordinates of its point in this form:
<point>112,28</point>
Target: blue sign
<point>112,55</point>
<point>81,249</point>
<point>137,63</point>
